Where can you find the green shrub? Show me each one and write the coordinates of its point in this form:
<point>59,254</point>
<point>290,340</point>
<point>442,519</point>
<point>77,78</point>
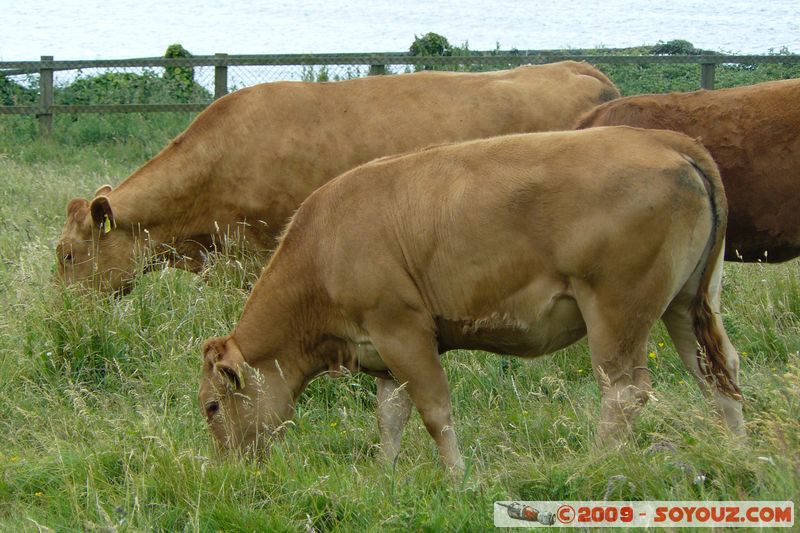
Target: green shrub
<point>128,88</point>
<point>674,48</point>
<point>431,45</point>
<point>180,79</point>
<point>177,85</point>
<point>309,73</point>
<point>12,93</point>
<point>114,88</point>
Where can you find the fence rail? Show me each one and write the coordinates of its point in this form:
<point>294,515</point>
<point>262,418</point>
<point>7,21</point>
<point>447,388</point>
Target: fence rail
<point>375,63</point>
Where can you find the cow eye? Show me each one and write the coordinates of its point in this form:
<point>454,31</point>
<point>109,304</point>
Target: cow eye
<point>68,258</point>
<point>212,408</point>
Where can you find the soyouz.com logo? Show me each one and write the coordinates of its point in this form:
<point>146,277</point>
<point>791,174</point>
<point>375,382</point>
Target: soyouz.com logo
<point>644,514</point>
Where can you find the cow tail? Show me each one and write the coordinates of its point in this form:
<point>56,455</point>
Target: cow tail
<point>710,353</point>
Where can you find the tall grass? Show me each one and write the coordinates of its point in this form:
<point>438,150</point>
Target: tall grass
<point>101,429</point>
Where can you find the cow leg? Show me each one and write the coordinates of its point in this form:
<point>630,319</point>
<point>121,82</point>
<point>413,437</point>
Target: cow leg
<point>617,343</point>
<point>678,321</point>
<point>620,368</point>
<point>412,356</point>
<point>394,408</point>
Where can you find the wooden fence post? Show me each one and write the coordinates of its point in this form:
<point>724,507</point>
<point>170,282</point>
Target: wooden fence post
<point>45,97</point>
<point>707,75</point>
<point>377,70</point>
<point>221,76</point>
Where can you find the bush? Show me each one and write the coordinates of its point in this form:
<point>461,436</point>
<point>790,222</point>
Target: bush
<point>176,86</point>
<point>115,88</point>
<point>12,93</point>
<point>180,78</point>
<point>309,73</point>
<point>430,45</point>
<point>675,47</point>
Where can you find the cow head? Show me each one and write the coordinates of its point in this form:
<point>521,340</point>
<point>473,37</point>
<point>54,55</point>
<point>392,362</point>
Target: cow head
<point>94,250</point>
<point>244,407</point>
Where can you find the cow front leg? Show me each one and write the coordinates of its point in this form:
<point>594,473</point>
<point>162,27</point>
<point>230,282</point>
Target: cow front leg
<point>413,358</point>
<point>394,408</point>
<point>436,413</point>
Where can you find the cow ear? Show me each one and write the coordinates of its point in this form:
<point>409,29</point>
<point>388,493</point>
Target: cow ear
<point>223,357</point>
<point>76,208</point>
<point>102,215</point>
<point>103,190</point>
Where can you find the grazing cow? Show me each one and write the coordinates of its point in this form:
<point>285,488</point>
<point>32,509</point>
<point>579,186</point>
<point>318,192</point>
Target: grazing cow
<point>753,133</point>
<point>248,160</point>
<point>520,244</point>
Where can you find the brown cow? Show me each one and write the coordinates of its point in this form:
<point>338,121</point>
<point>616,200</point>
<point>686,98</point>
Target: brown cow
<point>754,135</point>
<point>520,244</point>
<point>250,159</point>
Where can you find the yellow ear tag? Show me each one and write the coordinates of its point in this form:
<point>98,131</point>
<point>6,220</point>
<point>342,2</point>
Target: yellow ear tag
<point>107,225</point>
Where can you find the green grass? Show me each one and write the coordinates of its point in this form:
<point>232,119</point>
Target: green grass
<point>101,430</point>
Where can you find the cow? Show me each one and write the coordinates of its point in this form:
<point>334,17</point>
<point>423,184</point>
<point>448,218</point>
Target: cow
<point>249,159</point>
<point>517,244</point>
<point>753,132</point>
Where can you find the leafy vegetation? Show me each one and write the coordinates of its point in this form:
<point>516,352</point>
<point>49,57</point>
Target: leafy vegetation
<point>130,88</point>
<point>176,85</point>
<point>675,47</point>
<point>106,131</point>
<point>101,428</point>
<point>182,78</point>
<point>13,93</point>
<point>431,44</point>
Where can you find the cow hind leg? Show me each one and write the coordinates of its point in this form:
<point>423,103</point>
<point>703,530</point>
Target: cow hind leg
<point>394,408</point>
<point>620,367</point>
<point>617,343</point>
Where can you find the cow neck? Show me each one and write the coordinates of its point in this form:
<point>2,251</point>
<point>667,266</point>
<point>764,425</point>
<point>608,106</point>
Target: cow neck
<point>171,196</point>
<point>283,319</point>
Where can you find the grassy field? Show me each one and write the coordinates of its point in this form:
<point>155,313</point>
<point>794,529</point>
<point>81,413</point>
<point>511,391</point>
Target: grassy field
<point>101,431</point>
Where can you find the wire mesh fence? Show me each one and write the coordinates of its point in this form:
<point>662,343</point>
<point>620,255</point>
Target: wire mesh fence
<point>46,87</point>
<point>241,76</point>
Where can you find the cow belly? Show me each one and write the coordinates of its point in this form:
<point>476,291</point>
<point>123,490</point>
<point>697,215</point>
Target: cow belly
<point>538,330</point>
